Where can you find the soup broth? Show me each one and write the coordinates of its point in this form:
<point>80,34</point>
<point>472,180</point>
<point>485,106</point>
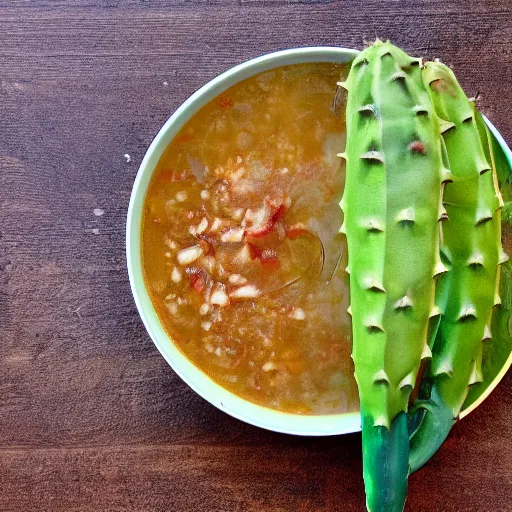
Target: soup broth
<point>240,245</point>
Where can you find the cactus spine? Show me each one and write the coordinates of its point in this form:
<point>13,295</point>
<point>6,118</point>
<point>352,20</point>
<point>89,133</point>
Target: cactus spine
<point>391,204</point>
<point>471,248</point>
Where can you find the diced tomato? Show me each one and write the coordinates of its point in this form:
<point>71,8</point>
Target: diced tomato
<point>279,213</point>
<point>197,279</point>
<point>264,219</point>
<point>225,102</point>
<point>267,257</point>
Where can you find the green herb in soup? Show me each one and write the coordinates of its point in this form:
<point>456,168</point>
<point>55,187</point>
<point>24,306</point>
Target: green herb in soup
<point>240,248</point>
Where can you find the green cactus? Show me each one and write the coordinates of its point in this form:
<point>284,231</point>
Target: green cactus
<point>392,203</point>
<point>471,249</point>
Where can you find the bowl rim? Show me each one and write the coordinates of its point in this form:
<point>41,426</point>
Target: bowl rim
<point>240,408</point>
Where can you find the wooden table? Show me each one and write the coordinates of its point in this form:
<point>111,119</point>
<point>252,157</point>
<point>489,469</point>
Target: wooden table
<point>91,416</point>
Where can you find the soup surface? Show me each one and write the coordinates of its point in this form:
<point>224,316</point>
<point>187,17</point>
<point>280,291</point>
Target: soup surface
<point>241,252</point>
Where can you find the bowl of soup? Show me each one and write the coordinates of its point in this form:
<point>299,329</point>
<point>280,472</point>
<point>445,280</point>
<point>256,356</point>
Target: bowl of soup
<point>234,254</point>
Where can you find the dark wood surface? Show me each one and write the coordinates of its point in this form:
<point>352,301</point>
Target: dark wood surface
<point>91,416</point>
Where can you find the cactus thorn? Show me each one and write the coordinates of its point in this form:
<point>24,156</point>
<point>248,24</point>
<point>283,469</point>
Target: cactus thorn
<point>467,313</point>
<point>444,126</point>
<point>405,216</point>
<point>476,260</point>
<point>407,381</point>
<point>399,75</point>
<point>483,216</point>
<point>381,421</point>
<point>349,310</point>
<point>446,175</point>
<point>420,110</point>
<point>443,214</point>
<point>427,352</point>
<point>403,303</point>
<point>367,110</point>
<point>487,333</point>
<point>373,156</point>
<point>435,311</point>
<point>381,378</point>
<point>342,155</point>
<point>373,325</point>
<point>444,368</point>
<point>342,84</point>
<point>373,226</point>
<point>370,283</point>
<point>497,299</point>
<point>343,227</point>
<point>503,256</point>
<point>476,375</point>
<point>439,268</point>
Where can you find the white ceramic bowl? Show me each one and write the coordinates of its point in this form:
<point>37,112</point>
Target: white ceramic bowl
<point>244,410</point>
<point>197,380</point>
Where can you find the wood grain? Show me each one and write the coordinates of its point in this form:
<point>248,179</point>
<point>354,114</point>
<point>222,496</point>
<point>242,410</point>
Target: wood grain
<point>91,417</point>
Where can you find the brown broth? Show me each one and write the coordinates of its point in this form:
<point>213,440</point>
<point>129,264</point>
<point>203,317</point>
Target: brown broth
<point>246,198</point>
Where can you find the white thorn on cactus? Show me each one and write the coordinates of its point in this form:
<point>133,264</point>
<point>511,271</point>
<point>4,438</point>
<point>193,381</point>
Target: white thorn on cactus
<point>373,225</point>
<point>342,155</point>
<point>343,228</point>
<point>342,204</point>
<point>483,215</point>
<point>446,175</point>
<point>476,375</point>
<point>427,352</point>
<point>381,377</point>
<point>407,381</point>
<point>467,312</point>
<point>381,421</point>
<point>406,215</point>
<point>420,110</point>
<point>487,333</point>
<point>347,269</point>
<point>349,310</point>
<point>476,260</point>
<point>342,84</point>
<point>370,283</point>
<point>439,269</point>
<point>373,156</point>
<point>399,75</point>
<point>443,214</point>
<point>503,256</point>
<point>404,302</point>
<point>435,311</point>
<point>367,110</point>
<point>497,299</point>
<point>444,125</point>
<point>373,325</point>
<point>443,368</point>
